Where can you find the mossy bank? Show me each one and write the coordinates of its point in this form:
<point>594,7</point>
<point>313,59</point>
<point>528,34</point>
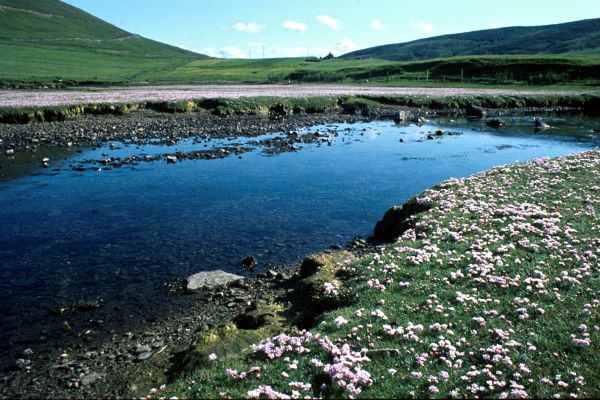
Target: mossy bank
<point>362,104</point>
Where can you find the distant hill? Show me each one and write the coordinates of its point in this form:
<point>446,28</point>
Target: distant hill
<point>580,36</point>
<point>48,39</point>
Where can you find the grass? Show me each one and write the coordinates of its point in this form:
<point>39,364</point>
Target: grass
<point>493,292</point>
<point>120,62</point>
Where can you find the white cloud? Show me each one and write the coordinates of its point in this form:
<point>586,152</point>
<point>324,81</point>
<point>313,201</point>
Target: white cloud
<point>225,52</point>
<point>251,27</point>
<point>330,22</point>
<point>422,26</point>
<point>345,45</point>
<point>295,51</point>
<point>294,26</point>
<point>496,24</point>
<point>378,25</point>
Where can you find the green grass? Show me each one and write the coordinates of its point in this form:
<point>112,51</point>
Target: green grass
<point>505,264</point>
<point>120,62</point>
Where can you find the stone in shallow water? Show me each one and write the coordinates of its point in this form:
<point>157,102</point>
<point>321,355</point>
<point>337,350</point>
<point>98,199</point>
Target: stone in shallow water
<point>210,280</point>
<point>91,378</point>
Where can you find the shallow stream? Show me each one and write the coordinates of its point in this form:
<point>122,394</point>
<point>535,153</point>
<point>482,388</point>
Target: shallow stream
<point>119,235</point>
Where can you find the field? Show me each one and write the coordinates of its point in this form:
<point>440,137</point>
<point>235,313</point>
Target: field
<point>43,64</point>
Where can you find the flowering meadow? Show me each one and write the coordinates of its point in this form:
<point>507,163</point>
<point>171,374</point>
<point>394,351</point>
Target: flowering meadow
<point>493,294</point>
<point>41,98</point>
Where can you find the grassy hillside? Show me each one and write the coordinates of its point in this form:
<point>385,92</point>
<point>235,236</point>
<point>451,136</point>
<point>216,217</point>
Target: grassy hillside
<point>48,40</point>
<point>580,36</point>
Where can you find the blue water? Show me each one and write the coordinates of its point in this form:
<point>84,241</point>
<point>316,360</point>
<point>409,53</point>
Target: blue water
<point>120,235</point>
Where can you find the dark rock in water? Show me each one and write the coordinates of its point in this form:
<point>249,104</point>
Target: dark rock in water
<point>596,130</point>
<point>398,220</point>
<point>210,280</point>
<point>475,112</point>
<point>65,327</point>
<point>249,262</point>
<point>430,137</point>
<point>439,133</point>
<point>540,125</point>
<point>419,120</point>
<point>495,123</point>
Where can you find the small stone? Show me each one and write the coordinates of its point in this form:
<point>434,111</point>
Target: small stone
<point>22,363</point>
<point>65,327</point>
<point>143,356</point>
<point>142,348</point>
<point>157,344</point>
<point>171,159</point>
<point>273,274</point>
<point>91,378</point>
<point>27,352</point>
<point>10,152</point>
<point>383,353</point>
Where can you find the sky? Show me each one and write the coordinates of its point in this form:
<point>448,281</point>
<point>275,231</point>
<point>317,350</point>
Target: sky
<point>299,28</point>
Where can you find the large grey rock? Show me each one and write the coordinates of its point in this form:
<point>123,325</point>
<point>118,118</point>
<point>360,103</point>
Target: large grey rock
<point>210,280</point>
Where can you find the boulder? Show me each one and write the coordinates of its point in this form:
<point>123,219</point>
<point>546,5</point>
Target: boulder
<point>210,280</point>
<point>398,220</point>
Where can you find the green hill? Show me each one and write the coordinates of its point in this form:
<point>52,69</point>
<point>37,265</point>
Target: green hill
<point>48,40</point>
<point>579,36</point>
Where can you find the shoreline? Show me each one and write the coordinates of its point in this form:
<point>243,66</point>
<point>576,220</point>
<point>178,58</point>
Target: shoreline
<point>72,369</point>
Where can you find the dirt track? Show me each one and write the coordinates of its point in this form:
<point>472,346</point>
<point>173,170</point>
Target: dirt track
<point>29,98</point>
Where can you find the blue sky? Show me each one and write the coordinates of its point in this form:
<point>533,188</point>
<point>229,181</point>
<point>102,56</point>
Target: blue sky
<point>242,28</point>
